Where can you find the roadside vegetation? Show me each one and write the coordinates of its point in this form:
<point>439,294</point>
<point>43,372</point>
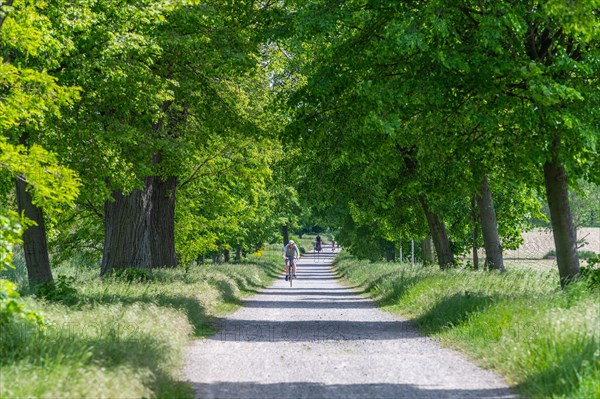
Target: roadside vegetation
<point>543,339</point>
<point>121,336</point>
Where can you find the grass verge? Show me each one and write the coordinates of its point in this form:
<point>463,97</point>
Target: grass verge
<point>114,338</point>
<point>544,340</point>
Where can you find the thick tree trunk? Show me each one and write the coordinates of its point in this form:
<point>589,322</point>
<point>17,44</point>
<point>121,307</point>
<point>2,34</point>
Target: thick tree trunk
<point>238,254</point>
<point>162,221</point>
<point>286,234</point>
<point>227,255</point>
<point>140,227</point>
<point>439,236</point>
<point>34,238</point>
<point>565,235</point>
<point>489,227</point>
<point>475,236</point>
<point>428,254</point>
<point>127,231</point>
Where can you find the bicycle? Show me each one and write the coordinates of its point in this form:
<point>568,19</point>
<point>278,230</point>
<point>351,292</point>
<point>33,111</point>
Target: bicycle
<point>290,266</point>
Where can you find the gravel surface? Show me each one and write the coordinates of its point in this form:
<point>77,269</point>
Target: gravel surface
<point>321,340</point>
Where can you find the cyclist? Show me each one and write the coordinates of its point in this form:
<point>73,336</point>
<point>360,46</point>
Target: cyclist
<point>318,244</point>
<point>290,254</point>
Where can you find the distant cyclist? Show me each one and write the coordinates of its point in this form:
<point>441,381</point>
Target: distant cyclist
<point>318,244</point>
<point>290,254</point>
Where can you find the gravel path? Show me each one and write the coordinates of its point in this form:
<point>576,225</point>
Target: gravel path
<point>321,340</point>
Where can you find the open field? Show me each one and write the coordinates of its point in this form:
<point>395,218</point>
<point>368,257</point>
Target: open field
<point>539,242</point>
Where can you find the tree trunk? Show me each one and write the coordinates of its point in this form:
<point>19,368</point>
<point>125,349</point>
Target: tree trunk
<point>390,252</point>
<point>428,254</point>
<point>439,236</point>
<point>475,237</point>
<point>127,231</point>
<point>218,258</point>
<point>238,254</point>
<point>34,238</point>
<point>227,255</point>
<point>162,221</point>
<point>140,227</point>
<point>565,235</point>
<point>286,234</point>
<point>489,227</point>
<point>200,260</point>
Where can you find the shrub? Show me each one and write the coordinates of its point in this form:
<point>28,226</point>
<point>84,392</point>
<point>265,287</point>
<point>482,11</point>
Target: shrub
<point>60,290</point>
<point>12,309</point>
<point>17,323</point>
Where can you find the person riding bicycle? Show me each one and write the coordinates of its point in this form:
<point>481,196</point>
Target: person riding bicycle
<point>290,254</point>
<point>318,244</point>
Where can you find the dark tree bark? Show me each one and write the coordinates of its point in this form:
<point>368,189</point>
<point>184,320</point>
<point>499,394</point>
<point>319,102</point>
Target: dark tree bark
<point>127,231</point>
<point>475,236</point>
<point>286,234</point>
<point>428,253</point>
<point>238,254</point>
<point>200,260</point>
<point>218,257</point>
<point>162,221</point>
<point>226,255</point>
<point>35,243</point>
<point>390,252</point>
<point>34,238</point>
<point>140,227</point>
<point>563,229</point>
<point>489,227</point>
<point>439,236</point>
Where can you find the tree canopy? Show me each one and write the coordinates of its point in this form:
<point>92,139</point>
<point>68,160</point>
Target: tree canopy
<point>151,134</point>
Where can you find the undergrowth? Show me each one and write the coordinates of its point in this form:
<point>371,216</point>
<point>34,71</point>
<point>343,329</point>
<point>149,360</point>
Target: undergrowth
<point>543,339</point>
<point>121,336</point>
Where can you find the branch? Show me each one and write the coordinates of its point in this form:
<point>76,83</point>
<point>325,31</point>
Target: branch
<point>194,175</point>
<point>94,210</point>
<point>362,30</point>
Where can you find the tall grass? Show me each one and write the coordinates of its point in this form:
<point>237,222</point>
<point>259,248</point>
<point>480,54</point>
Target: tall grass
<point>115,338</point>
<point>544,340</point>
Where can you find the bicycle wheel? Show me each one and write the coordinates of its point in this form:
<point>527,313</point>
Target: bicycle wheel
<point>291,276</point>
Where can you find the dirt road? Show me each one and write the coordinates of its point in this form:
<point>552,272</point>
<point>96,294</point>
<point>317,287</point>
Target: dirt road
<point>321,340</point>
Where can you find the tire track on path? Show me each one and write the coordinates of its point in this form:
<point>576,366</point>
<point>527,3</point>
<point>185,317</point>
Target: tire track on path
<point>319,339</point>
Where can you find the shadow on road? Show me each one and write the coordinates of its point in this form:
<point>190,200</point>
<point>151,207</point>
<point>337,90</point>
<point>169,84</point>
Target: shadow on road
<point>313,330</point>
<point>347,391</point>
<point>337,325</point>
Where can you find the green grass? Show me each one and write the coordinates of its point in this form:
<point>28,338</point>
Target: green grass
<point>119,339</point>
<point>544,340</point>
